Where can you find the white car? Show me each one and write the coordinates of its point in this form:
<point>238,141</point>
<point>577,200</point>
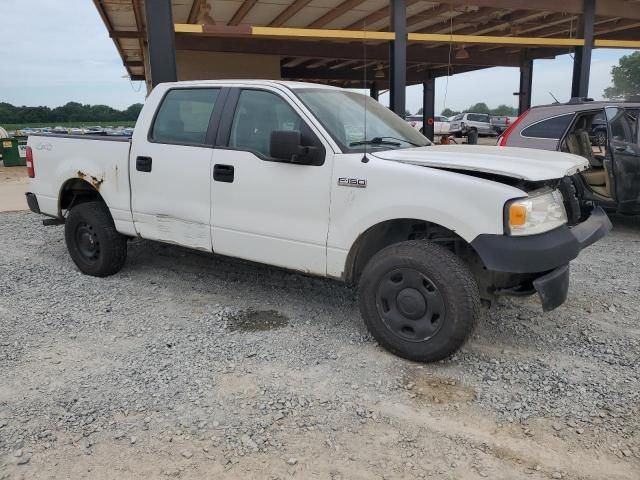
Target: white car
<point>292,175</point>
<point>464,123</point>
<point>440,124</point>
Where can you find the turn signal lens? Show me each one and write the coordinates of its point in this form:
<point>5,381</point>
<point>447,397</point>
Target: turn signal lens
<point>517,215</point>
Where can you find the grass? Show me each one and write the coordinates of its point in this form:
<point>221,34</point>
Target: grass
<point>19,126</point>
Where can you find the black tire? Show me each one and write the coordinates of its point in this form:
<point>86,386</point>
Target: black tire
<point>93,242</point>
<point>392,309</point>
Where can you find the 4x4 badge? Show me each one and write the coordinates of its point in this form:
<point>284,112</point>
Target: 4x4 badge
<point>352,182</point>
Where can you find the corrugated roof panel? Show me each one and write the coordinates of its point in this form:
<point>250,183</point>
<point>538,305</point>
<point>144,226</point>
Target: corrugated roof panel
<point>263,13</point>
<point>120,13</point>
<point>180,10</point>
<point>223,10</point>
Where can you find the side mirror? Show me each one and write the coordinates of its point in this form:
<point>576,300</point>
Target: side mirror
<point>285,146</point>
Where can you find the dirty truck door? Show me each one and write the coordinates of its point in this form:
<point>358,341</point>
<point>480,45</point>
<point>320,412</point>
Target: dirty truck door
<point>264,209</point>
<point>171,170</point>
<point>625,149</point>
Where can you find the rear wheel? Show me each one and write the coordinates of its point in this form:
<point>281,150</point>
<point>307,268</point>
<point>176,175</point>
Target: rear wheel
<point>93,242</point>
<point>419,300</point>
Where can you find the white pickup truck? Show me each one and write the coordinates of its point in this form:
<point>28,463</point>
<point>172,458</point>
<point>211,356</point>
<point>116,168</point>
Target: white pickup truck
<point>330,183</point>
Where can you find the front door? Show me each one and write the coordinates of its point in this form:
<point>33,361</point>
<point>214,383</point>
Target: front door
<point>171,170</point>
<point>624,143</point>
<point>264,210</point>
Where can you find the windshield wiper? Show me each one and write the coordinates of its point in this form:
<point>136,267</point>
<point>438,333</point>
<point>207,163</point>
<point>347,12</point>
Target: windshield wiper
<point>374,141</point>
<point>401,140</point>
<point>393,141</point>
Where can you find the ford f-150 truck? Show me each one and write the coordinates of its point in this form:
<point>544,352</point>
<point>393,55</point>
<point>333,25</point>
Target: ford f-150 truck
<point>330,183</point>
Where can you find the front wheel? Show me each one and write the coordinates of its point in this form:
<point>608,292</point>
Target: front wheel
<point>93,242</point>
<point>419,300</point>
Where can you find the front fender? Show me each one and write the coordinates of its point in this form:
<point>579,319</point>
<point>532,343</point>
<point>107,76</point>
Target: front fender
<point>464,204</point>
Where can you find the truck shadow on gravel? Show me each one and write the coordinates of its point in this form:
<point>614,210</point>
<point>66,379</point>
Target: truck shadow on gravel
<point>626,223</point>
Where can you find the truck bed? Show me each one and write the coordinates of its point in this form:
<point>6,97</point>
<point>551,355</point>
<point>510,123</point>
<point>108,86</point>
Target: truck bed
<point>100,161</point>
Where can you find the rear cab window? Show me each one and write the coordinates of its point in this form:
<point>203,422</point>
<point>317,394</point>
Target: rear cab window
<point>184,116</point>
<point>478,117</point>
<point>551,128</point>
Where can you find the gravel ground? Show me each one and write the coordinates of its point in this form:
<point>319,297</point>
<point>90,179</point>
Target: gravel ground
<point>186,365</point>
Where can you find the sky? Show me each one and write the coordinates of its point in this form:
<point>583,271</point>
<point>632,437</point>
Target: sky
<point>53,52</point>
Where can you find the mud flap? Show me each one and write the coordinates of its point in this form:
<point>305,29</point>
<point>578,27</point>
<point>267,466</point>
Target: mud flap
<point>553,288</point>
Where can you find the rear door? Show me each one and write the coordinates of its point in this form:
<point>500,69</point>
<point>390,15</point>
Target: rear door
<point>171,169</point>
<point>484,125</point>
<point>624,143</point>
<point>265,210</point>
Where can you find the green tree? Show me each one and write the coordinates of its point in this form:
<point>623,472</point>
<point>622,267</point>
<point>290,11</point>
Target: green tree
<point>478,108</point>
<point>504,110</point>
<point>71,112</point>
<point>626,77</point>
<point>447,112</point>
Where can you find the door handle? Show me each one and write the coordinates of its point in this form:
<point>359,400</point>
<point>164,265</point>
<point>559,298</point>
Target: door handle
<point>223,173</point>
<point>620,149</point>
<point>143,164</point>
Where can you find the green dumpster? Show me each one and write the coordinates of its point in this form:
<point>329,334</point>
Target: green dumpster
<point>14,151</point>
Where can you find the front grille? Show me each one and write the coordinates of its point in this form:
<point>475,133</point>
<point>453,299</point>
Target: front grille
<point>572,202</point>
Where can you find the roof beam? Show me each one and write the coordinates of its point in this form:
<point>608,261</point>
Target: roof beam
<point>608,8</point>
<point>126,34</point>
<point>194,13</point>
<point>288,12</point>
<point>242,11</point>
<point>340,51</point>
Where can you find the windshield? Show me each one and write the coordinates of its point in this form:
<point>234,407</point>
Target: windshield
<point>342,114</point>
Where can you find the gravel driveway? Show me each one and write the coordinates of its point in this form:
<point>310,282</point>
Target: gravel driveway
<point>189,366</point>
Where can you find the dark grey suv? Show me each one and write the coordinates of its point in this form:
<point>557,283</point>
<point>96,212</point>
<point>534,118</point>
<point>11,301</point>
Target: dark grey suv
<point>605,133</point>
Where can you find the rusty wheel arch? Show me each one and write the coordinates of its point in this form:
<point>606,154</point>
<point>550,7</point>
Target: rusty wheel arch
<point>78,190</point>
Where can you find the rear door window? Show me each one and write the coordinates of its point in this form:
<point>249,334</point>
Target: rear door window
<point>623,125</point>
<point>552,128</point>
<point>183,118</point>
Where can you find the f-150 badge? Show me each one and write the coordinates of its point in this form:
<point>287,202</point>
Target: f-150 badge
<point>352,182</point>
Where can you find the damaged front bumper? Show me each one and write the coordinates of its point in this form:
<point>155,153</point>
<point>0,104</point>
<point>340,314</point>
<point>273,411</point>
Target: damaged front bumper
<point>553,287</point>
<point>543,258</point>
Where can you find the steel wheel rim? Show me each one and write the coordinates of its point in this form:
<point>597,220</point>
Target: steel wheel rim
<point>410,304</point>
<point>87,242</point>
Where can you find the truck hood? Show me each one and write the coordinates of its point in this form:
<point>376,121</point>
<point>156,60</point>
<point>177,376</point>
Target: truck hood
<point>522,163</point>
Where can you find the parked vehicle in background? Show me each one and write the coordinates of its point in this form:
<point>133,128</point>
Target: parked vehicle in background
<point>501,123</point>
<point>440,124</point>
<point>463,123</point>
<point>605,133</point>
<point>331,183</point>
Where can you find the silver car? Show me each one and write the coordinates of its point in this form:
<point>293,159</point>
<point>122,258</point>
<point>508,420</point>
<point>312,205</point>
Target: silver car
<point>605,133</point>
<point>463,123</point>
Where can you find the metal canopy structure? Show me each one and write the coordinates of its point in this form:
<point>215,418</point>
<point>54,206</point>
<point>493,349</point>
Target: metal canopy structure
<point>376,44</point>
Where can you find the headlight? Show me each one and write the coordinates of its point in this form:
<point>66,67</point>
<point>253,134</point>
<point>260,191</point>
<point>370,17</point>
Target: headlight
<point>541,211</point>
